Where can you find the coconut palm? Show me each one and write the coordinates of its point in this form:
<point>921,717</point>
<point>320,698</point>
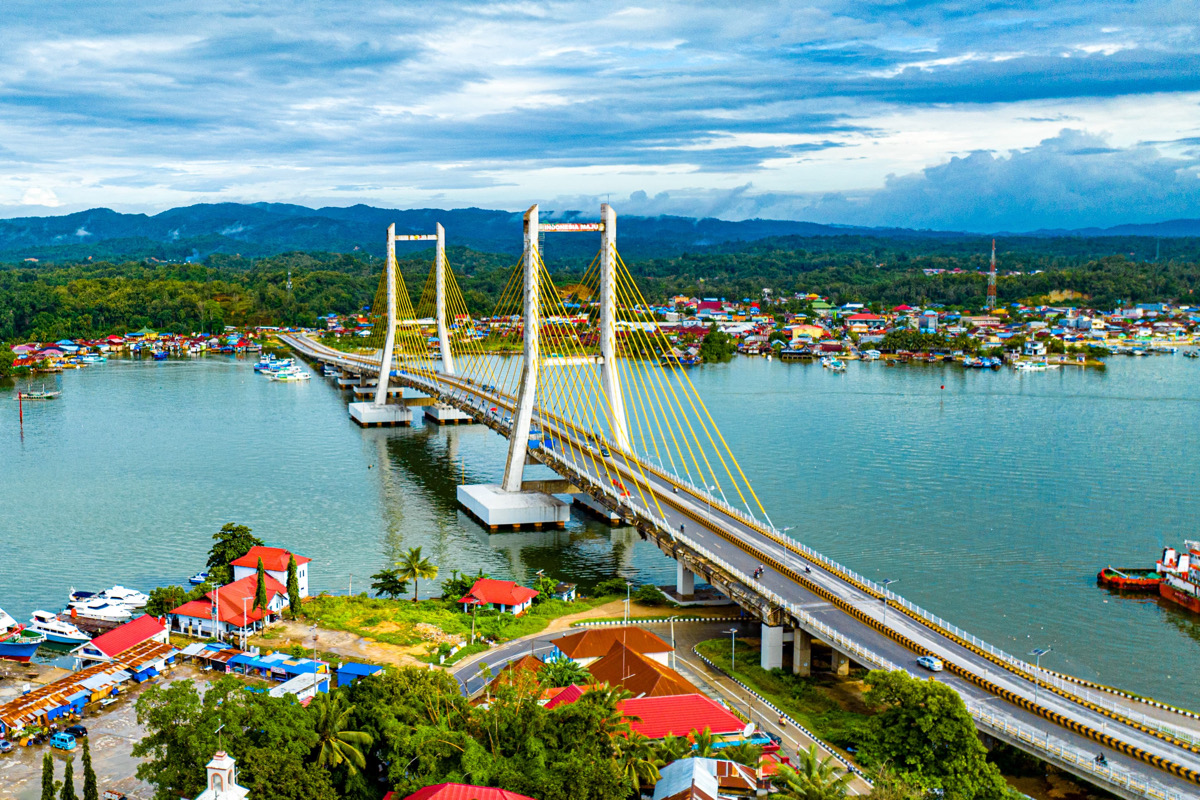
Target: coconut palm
<point>813,778</point>
<point>413,566</point>
<point>673,748</point>
<point>564,672</point>
<point>743,753</point>
<point>705,744</point>
<point>335,744</point>
<point>639,759</point>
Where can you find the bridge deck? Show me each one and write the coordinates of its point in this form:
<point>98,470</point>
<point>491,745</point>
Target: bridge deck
<point>801,590</point>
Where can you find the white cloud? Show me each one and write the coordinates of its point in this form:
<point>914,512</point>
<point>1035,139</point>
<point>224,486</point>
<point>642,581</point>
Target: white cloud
<point>39,196</point>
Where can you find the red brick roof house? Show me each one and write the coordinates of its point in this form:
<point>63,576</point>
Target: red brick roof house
<point>592,644</point>
<point>234,609</point>
<point>679,715</point>
<point>109,646</point>
<point>506,596</point>
<point>461,791</point>
<point>637,674</point>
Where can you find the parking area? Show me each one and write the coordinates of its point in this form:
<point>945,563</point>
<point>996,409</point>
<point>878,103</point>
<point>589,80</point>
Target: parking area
<point>112,734</point>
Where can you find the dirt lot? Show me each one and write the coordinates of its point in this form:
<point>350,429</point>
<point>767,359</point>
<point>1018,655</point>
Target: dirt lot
<point>112,733</point>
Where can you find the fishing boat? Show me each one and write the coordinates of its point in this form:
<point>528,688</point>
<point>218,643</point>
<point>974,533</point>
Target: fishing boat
<point>93,358</point>
<point>55,629</point>
<point>160,355</point>
<point>266,363</point>
<point>1141,580</point>
<point>126,597</point>
<point>198,578</point>
<point>833,364</point>
<point>1191,353</point>
<point>41,395</point>
<point>17,643</point>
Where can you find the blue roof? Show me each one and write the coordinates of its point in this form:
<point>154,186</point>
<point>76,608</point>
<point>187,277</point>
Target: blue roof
<point>354,668</point>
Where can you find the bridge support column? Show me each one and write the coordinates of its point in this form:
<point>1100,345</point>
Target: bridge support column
<point>506,505</point>
<point>685,581</point>
<point>378,412</point>
<point>802,653</point>
<point>610,374</point>
<point>839,663</point>
<point>772,647</point>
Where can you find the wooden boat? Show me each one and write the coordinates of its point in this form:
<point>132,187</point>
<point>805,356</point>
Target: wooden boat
<point>1143,580</point>
<point>40,395</point>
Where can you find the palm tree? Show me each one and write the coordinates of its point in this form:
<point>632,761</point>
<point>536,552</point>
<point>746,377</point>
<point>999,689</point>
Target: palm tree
<point>743,753</point>
<point>639,760</point>
<point>335,744</point>
<point>813,778</point>
<point>413,567</point>
<point>564,672</point>
<point>705,744</point>
<point>673,748</point>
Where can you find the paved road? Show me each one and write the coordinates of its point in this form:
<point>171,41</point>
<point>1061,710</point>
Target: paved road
<point>679,511</point>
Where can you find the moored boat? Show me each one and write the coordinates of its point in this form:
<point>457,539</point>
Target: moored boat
<point>17,643</point>
<point>55,629</point>
<point>126,597</point>
<point>40,395</point>
<point>1145,580</point>
<point>1181,575</point>
<point>198,578</point>
<point>99,609</point>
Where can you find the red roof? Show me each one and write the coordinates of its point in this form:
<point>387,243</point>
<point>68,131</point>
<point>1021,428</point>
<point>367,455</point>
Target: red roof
<point>903,308</point>
<point>566,696</point>
<point>507,593</point>
<point>863,318</point>
<point>230,599</point>
<point>678,715</point>
<point>596,642</point>
<point>273,558</point>
<point>134,632</point>
<point>460,791</point>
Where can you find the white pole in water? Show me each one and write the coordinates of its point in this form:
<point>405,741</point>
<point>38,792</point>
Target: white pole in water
<point>440,266</point>
<point>610,376</point>
<point>385,364</point>
<point>518,443</point>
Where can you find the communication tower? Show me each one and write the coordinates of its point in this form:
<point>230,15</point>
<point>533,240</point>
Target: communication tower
<point>991,292</point>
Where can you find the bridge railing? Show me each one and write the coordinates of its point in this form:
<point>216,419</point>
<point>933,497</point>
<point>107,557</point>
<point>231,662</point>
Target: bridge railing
<point>1060,751</point>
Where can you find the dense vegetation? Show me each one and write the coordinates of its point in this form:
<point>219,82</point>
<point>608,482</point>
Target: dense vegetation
<point>48,302</point>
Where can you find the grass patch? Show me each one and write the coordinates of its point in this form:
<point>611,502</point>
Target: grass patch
<point>829,707</point>
<point>394,621</point>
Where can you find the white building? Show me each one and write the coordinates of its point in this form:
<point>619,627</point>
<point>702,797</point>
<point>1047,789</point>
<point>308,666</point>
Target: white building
<point>221,783</point>
<point>275,562</point>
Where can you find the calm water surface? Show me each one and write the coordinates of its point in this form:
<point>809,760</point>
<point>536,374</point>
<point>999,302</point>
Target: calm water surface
<point>993,500</point>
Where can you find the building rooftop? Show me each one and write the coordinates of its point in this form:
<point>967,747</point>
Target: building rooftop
<point>596,642</point>
<point>273,558</point>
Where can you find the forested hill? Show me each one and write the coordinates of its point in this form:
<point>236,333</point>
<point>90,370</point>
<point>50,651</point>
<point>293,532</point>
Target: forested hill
<point>263,229</point>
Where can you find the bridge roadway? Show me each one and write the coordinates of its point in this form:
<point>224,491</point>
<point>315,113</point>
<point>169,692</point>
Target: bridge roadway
<point>802,591</point>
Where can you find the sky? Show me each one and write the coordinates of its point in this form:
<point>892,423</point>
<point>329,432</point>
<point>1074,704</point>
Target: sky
<point>965,115</point>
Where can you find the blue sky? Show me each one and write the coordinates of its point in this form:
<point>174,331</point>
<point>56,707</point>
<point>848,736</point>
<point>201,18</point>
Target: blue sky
<point>966,115</point>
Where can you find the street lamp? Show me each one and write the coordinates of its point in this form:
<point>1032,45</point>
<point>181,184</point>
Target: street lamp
<point>1037,654</point>
<point>628,586</point>
<point>711,489</point>
<point>733,632</point>
<point>674,663</point>
<point>884,583</point>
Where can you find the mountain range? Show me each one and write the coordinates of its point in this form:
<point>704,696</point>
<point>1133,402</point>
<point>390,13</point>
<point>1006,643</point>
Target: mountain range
<point>261,229</point>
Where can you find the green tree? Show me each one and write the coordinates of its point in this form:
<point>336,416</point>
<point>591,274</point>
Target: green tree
<point>90,790</point>
<point>413,567</point>
<point>260,587</point>
<point>232,542</point>
<point>639,759</point>
<point>49,785</point>
<point>164,599</point>
<point>266,775</point>
<point>293,587</point>
<point>813,777</point>
<point>564,672</point>
<point>743,753</point>
<point>924,730</point>
<point>68,781</point>
<point>7,357</point>
<point>544,586</point>
<point>717,347</point>
<point>387,583</point>
<point>335,744</point>
<point>457,585</point>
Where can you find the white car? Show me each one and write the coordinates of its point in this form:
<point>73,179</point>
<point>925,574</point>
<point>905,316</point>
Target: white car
<point>931,663</point>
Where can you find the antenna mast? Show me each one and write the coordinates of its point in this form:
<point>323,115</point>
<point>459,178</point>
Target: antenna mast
<point>991,290</point>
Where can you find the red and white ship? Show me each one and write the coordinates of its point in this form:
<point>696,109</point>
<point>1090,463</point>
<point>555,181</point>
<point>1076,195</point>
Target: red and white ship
<point>1181,575</point>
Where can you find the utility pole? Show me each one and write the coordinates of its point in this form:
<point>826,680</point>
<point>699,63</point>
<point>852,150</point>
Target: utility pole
<point>991,289</point>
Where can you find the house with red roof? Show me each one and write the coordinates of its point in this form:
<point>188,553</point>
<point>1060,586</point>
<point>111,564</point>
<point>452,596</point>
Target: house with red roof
<point>591,644</point>
<point>505,596</point>
<point>229,609</point>
<point>108,646</point>
<point>680,715</point>
<point>638,675</point>
<point>460,791</point>
<point>275,562</point>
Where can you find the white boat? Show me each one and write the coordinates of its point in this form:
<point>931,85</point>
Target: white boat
<point>97,608</point>
<point>833,364</point>
<point>127,597</point>
<point>55,629</point>
<point>871,355</point>
<point>93,358</point>
<point>290,374</point>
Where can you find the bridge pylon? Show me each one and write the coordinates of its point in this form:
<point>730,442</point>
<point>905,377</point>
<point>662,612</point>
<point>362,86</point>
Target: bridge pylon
<point>377,412</point>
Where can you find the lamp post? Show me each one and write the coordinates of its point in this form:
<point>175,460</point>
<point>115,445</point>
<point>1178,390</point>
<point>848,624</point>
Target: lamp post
<point>674,664</point>
<point>733,632</point>
<point>885,583</point>
<point>628,586</point>
<point>1037,654</point>
<point>244,621</point>
<point>708,496</point>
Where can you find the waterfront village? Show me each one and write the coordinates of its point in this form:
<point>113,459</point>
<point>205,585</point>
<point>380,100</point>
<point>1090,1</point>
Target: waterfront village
<point>801,327</point>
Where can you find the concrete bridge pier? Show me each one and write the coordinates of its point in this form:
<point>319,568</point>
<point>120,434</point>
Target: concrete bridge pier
<point>839,663</point>
<point>802,653</point>
<point>685,581</point>
<point>771,656</point>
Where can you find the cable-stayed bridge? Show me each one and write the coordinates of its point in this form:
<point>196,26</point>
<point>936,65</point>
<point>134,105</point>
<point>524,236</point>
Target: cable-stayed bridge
<point>583,380</point>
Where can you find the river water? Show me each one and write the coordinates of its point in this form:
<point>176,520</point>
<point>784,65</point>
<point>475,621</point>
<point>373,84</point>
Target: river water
<point>993,497</point>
